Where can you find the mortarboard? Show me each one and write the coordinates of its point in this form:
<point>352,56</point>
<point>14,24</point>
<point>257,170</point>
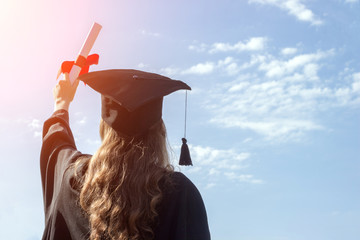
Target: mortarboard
<point>131,99</point>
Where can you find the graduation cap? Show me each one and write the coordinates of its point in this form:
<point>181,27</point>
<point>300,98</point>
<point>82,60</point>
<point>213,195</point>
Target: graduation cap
<point>131,100</point>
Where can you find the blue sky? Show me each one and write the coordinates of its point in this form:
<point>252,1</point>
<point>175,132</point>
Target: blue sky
<point>273,117</point>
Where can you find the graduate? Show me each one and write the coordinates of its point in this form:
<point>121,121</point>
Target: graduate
<point>128,189</point>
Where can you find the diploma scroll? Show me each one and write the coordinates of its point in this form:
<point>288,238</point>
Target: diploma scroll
<point>84,51</point>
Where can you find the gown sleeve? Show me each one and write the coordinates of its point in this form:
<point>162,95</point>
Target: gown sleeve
<point>57,152</point>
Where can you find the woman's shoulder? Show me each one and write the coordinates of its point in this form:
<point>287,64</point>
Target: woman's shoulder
<point>180,178</point>
<point>179,183</point>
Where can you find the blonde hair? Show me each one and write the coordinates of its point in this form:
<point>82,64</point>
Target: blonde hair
<point>120,188</point>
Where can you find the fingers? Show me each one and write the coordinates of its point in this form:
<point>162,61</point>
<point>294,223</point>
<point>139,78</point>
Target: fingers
<point>67,78</point>
<point>62,82</point>
<point>66,84</point>
<point>64,92</point>
<point>56,90</point>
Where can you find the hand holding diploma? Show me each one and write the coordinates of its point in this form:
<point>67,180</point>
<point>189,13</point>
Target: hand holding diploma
<point>83,61</point>
<point>64,93</point>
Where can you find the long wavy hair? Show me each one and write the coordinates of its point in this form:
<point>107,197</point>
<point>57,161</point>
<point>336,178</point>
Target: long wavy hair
<point>119,188</point>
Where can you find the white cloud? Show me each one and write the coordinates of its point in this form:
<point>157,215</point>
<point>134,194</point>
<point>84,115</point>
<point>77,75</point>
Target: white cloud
<point>210,185</point>
<point>35,127</point>
<point>253,44</point>
<point>215,164</point>
<point>311,70</point>
<point>351,1</point>
<point>243,178</point>
<point>37,134</point>
<point>228,65</point>
<point>283,100</point>
<point>226,159</point>
<point>239,86</point>
<point>247,140</point>
<point>34,124</point>
<point>255,59</point>
<point>27,125</point>
<point>80,118</point>
<point>356,82</point>
<point>280,97</point>
<point>198,48</point>
<point>288,51</point>
<point>214,171</point>
<point>142,65</point>
<point>281,129</point>
<point>82,121</point>
<point>275,67</point>
<point>170,71</point>
<point>201,68</point>
<point>293,7</point>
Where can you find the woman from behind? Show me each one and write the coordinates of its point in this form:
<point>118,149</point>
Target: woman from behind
<point>127,189</point>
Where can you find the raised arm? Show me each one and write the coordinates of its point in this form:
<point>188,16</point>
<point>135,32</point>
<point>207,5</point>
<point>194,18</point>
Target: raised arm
<point>58,147</point>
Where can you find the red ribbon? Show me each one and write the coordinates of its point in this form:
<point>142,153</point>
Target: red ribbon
<point>81,62</point>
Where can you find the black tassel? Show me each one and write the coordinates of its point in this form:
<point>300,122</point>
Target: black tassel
<point>185,159</point>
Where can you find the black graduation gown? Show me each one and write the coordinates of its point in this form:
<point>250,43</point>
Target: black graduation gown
<point>182,214</point>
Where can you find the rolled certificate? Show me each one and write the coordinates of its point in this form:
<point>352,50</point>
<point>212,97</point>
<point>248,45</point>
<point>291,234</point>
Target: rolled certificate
<point>84,51</point>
